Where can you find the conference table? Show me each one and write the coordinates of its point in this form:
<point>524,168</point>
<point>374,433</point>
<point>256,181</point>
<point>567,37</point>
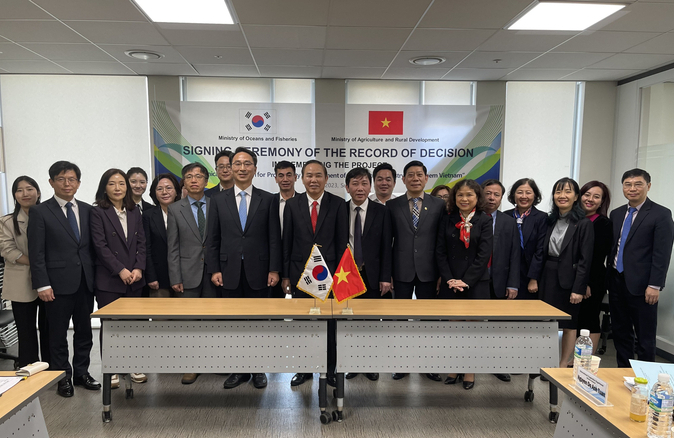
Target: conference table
<point>20,410</point>
<point>580,417</point>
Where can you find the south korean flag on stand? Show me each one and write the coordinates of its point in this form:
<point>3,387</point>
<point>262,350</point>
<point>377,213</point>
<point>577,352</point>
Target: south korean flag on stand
<point>257,121</point>
<point>316,279</point>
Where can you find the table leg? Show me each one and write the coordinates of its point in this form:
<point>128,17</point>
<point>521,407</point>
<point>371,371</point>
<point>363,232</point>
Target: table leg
<point>338,414</point>
<point>323,398</point>
<point>107,390</point>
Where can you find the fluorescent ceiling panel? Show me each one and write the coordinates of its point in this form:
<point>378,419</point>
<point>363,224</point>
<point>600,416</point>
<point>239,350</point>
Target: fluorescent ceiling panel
<point>564,16</point>
<point>184,11</point>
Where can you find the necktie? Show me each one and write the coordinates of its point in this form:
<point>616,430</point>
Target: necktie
<point>201,219</point>
<point>70,214</point>
<point>623,237</point>
<point>415,213</point>
<point>243,215</point>
<point>357,239</point>
<point>314,215</point>
<point>140,207</point>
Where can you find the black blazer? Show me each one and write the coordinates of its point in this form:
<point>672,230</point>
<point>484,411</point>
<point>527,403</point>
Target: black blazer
<point>376,243</point>
<point>146,206</point>
<point>332,233</point>
<point>506,256</point>
<point>156,248</point>
<point>648,247</point>
<point>57,259</point>
<point>534,229</point>
<point>213,191</point>
<point>454,260</point>
<point>259,242</point>
<point>575,257</point>
<point>603,241</point>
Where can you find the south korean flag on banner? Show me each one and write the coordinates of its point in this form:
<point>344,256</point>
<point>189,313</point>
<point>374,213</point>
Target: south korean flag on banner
<point>257,121</point>
<point>316,279</point>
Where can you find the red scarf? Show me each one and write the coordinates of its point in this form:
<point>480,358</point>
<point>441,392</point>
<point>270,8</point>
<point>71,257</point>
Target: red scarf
<point>464,226</point>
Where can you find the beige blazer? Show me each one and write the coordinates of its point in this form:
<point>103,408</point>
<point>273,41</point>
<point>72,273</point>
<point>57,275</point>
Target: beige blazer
<point>17,286</point>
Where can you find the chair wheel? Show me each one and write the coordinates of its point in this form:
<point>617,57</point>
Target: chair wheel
<point>529,396</point>
<point>129,393</point>
<point>338,416</point>
<point>325,418</point>
<point>553,417</point>
<point>107,416</point>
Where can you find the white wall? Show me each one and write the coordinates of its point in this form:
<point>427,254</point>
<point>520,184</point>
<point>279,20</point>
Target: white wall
<point>597,135</point>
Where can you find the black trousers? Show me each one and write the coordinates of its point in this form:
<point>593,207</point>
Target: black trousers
<point>79,306</point>
<point>243,289</point>
<point>424,290</point>
<point>24,317</point>
<point>633,322</point>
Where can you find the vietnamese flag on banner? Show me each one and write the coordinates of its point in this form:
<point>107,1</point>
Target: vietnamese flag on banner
<point>347,282</point>
<point>385,123</point>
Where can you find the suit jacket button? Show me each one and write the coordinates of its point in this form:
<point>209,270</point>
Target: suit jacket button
<point>114,234</point>
<point>416,250</point>
<point>78,263</point>
<point>465,258</point>
<point>115,252</point>
<point>202,259</point>
<point>136,233</point>
<point>136,252</point>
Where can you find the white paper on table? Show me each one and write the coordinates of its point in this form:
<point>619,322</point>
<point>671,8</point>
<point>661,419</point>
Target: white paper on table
<point>7,382</point>
<point>650,371</point>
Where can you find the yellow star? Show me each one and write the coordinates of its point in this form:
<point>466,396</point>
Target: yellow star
<point>385,123</point>
<point>342,275</point>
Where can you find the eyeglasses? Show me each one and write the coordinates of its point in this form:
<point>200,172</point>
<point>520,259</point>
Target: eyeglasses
<point>239,164</point>
<point>62,180</point>
<point>223,167</point>
<point>637,186</point>
<point>445,197</point>
<point>190,177</point>
<point>167,189</point>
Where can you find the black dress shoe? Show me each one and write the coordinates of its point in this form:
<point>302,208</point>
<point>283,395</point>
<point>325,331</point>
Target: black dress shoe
<point>259,380</point>
<point>350,376</point>
<point>434,377</point>
<point>503,377</point>
<point>65,388</point>
<point>453,380</point>
<point>235,380</point>
<point>332,380</point>
<point>88,382</point>
<point>372,376</point>
<point>398,376</point>
<point>300,378</point>
<point>468,385</point>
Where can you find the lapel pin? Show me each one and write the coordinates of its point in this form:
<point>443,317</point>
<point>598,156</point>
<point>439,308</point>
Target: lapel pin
<point>425,208</point>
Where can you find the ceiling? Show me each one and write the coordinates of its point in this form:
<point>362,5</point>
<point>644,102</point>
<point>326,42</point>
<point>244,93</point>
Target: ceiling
<point>357,39</point>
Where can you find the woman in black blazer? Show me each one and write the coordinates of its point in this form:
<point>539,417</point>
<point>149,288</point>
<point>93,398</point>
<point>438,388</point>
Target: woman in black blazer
<point>532,225</point>
<point>164,191</point>
<point>567,257</point>
<point>595,199</point>
<point>463,251</point>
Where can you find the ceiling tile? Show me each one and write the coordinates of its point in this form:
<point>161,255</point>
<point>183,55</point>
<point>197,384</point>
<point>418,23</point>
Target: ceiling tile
<point>604,41</point>
<point>567,60</point>
<point>288,57</point>
<point>376,13</point>
<point>539,74</point>
<point>294,12</point>
<point>524,41</point>
<point>207,55</point>
<point>507,60</point>
<point>477,14</point>
<point>31,67</point>
<point>367,38</point>
<point>171,55</point>
<point>288,37</point>
<point>38,32</point>
<point>663,44</point>
<point>447,40</point>
<point>202,35</point>
<point>14,52</point>
<point>352,73</point>
<point>146,68</point>
<point>227,70</point>
<point>119,32</point>
<point>96,68</point>
<point>290,72</point>
<point>474,74</point>
<point>21,10</point>
<point>112,10</point>
<point>645,17</point>
<point>358,58</point>
<point>415,73</point>
<point>451,58</point>
<point>69,52</point>
<point>601,75</point>
<point>627,61</point>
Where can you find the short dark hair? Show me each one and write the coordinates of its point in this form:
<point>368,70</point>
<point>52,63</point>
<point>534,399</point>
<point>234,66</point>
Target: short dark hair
<point>17,206</point>
<point>414,163</point>
<point>221,154</point>
<point>577,213</point>
<point>605,197</point>
<point>245,151</point>
<point>357,172</point>
<point>520,182</point>
<point>471,184</point>
<point>315,162</point>
<point>136,170</point>
<point>189,167</point>
<point>102,199</point>
<point>635,173</point>
<point>436,189</point>
<point>493,182</point>
<point>284,165</point>
<point>384,166</point>
<point>64,166</point>
<point>155,183</point>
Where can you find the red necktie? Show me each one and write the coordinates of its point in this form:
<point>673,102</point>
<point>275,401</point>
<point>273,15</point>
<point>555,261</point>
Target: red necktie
<point>314,215</point>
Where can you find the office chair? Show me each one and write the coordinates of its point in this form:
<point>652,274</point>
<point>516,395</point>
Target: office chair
<point>8,333</point>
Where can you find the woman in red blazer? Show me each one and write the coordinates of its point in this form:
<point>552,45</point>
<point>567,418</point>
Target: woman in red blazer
<point>118,237</point>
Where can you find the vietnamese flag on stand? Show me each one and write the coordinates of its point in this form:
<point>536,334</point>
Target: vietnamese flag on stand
<point>347,282</point>
<point>385,123</point>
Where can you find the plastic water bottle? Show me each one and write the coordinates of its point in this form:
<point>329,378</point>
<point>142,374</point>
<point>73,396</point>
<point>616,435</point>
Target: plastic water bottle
<point>582,353</point>
<point>660,404</point>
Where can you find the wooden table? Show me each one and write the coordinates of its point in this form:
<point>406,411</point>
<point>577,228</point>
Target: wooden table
<point>212,335</point>
<point>20,411</point>
<point>581,417</point>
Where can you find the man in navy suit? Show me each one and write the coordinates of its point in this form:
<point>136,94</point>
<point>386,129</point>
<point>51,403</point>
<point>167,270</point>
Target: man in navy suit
<point>62,270</point>
<point>285,176</point>
<point>223,168</point>
<point>243,251</point>
<point>643,233</point>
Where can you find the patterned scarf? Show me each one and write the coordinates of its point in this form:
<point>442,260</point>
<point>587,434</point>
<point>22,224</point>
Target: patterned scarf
<point>520,219</point>
<point>465,225</point>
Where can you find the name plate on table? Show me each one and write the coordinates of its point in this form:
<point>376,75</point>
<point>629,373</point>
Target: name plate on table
<point>593,387</point>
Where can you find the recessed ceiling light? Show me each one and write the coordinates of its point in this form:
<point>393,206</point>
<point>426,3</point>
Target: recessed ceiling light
<point>143,54</point>
<point>562,16</point>
<point>427,60</point>
<point>187,11</point>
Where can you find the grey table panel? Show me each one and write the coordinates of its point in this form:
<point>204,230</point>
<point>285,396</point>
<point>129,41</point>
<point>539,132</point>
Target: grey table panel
<point>436,346</point>
<point>27,422</point>
<point>214,346</point>
<point>578,421</point>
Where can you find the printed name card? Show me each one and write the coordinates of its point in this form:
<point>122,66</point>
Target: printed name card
<point>593,386</point>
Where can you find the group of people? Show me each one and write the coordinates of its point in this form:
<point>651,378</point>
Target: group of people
<point>237,241</point>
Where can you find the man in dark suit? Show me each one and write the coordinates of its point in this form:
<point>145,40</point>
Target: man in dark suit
<point>62,270</point>
<point>244,251</point>
<point>370,238</point>
<point>223,168</point>
<point>313,218</point>
<point>643,234</point>
<point>504,268</point>
<point>285,177</point>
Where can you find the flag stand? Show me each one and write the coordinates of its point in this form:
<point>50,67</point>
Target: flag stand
<point>347,310</point>
<point>315,310</point>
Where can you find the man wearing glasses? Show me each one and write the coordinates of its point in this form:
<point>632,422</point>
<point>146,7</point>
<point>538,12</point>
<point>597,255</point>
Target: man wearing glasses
<point>223,168</point>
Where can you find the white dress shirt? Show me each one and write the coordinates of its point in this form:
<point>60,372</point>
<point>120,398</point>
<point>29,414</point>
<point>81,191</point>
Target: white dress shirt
<point>249,196</point>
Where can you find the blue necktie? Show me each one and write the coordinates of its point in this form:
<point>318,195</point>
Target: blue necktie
<point>243,215</point>
<point>623,237</point>
<point>415,213</point>
<point>70,214</point>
